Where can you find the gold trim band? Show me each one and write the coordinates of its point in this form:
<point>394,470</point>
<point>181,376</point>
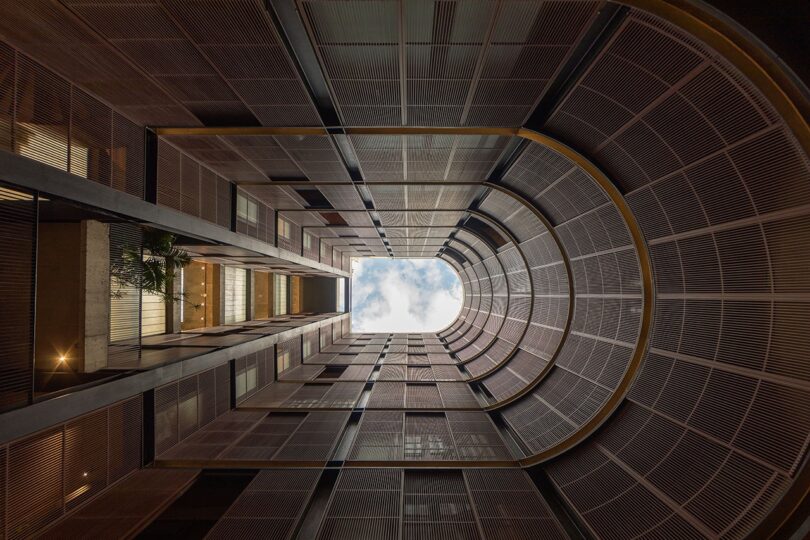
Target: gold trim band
<point>645,267</point>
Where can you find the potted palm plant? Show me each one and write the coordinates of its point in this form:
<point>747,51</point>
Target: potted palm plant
<point>152,268</point>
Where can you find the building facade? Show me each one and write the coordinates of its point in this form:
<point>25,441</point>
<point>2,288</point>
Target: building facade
<point>622,187</point>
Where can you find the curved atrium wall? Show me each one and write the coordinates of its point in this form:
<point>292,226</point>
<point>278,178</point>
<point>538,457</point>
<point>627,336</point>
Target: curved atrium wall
<point>558,323</point>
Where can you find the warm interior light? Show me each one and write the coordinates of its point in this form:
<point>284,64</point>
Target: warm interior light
<point>77,493</point>
<point>62,358</point>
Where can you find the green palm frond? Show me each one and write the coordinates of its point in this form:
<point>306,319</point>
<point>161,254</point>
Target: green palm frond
<point>153,268</point>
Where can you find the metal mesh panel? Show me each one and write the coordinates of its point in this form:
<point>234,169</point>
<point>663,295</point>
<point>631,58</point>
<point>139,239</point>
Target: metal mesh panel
<point>58,124</point>
<point>254,372</point>
<point>125,300</point>
<point>457,395</point>
<point>270,505</point>
<point>475,437</point>
<point>436,502</point>
<point>380,437</point>
<point>427,437</point>
<point>365,504</point>
<point>35,491</point>
<point>422,396</point>
<point>123,509</point>
<point>18,215</point>
<point>315,437</point>
<point>124,439</point>
<point>188,186</point>
<point>702,203</point>
<point>450,76</point>
<point>509,506</point>
<point>265,437</point>
<point>187,410</point>
<point>223,389</point>
<point>48,116</point>
<point>263,226</point>
<point>387,395</point>
<point>58,470</point>
<point>85,458</point>
<point>166,414</point>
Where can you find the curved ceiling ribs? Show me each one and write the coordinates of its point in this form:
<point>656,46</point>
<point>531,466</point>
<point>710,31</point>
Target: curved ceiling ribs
<point>566,386</point>
<point>715,174</point>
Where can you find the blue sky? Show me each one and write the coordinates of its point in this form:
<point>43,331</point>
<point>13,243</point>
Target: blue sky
<point>403,295</point>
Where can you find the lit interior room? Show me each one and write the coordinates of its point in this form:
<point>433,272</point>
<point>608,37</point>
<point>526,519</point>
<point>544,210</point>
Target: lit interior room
<point>404,269</point>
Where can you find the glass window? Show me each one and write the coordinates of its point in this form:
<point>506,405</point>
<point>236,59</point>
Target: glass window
<point>241,206</point>
<point>252,212</point>
<point>284,229</point>
<point>246,210</point>
<point>307,241</point>
<point>341,294</point>
<point>235,294</point>
<point>252,378</point>
<point>283,361</point>
<point>280,294</point>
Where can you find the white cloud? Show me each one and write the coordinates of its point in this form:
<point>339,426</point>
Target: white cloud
<point>404,295</point>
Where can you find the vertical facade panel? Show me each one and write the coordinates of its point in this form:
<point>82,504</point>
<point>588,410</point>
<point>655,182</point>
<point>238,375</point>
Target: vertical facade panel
<point>18,225</point>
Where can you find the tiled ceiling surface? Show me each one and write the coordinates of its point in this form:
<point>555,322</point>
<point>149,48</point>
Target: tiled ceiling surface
<point>478,63</point>
<point>416,182</point>
<point>427,158</point>
<point>186,63</point>
<point>218,63</point>
<point>215,62</point>
<point>222,61</point>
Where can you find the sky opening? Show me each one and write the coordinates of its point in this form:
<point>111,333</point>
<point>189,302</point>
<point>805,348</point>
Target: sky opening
<point>404,295</point>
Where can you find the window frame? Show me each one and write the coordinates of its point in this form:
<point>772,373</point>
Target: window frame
<point>247,210</point>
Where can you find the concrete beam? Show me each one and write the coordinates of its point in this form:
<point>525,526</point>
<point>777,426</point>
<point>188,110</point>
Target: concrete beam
<point>47,180</point>
<point>28,420</point>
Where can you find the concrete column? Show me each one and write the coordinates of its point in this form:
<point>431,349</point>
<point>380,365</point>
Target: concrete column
<point>73,296</point>
<point>95,275</point>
